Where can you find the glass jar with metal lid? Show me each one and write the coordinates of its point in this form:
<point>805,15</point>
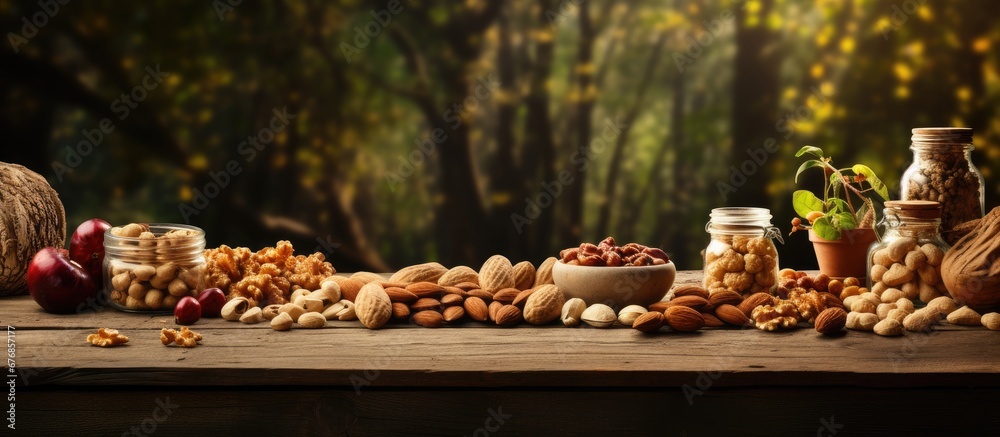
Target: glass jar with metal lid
<point>943,172</point>
<point>150,267</point>
<point>908,259</point>
<point>741,256</point>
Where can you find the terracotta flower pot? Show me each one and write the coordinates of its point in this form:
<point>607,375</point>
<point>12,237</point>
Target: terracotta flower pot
<point>845,257</point>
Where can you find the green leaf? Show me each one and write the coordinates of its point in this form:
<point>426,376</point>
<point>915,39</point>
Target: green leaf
<point>825,229</point>
<point>844,221</point>
<point>860,215</point>
<point>872,180</point>
<point>804,202</point>
<point>815,151</point>
<point>835,184</point>
<point>807,165</point>
<point>837,205</point>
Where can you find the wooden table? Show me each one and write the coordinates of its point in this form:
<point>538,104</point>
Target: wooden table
<point>481,380</point>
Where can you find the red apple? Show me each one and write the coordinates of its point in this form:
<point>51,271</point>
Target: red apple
<point>212,300</point>
<point>187,311</point>
<point>57,283</point>
<point>87,248</point>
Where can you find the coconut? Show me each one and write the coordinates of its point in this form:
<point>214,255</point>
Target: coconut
<point>31,217</point>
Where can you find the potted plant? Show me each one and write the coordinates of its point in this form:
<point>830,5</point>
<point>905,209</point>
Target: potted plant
<point>841,222</point>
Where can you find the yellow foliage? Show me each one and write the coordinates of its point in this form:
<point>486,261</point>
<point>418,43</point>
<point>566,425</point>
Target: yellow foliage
<point>198,161</point>
<point>925,13</point>
<point>817,70</point>
<point>902,72</point>
<point>184,193</point>
<point>963,93</point>
<point>902,92</point>
<point>847,45</point>
<point>826,88</point>
<point>981,45</point>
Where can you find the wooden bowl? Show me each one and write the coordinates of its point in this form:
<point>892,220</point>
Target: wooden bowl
<point>615,286</point>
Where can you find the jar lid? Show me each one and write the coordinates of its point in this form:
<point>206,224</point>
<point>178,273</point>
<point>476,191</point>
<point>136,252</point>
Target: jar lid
<point>942,135</point>
<point>918,209</point>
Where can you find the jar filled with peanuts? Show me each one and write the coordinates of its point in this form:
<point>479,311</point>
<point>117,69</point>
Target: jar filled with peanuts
<point>741,256</point>
<point>942,171</point>
<point>149,267</point>
<point>909,256</point>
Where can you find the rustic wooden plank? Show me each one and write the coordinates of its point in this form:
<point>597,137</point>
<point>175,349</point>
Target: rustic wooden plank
<point>529,356</point>
<point>375,412</point>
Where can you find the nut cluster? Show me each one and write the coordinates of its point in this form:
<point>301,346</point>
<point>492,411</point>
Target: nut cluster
<point>269,275</point>
<point>160,272</point>
<point>945,177</point>
<point>741,264</point>
<point>904,267</point>
<point>107,337</point>
<point>608,253</point>
<point>184,338</point>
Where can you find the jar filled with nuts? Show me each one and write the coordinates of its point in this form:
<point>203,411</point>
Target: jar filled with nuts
<point>148,268</point>
<point>909,256</point>
<point>741,256</point>
<point>942,171</point>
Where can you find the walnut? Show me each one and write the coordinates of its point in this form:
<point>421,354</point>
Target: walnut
<point>185,337</point>
<point>107,337</point>
<point>809,303</point>
<point>762,246</point>
<point>753,263</point>
<point>267,285</point>
<point>267,276</point>
<point>781,315</point>
<point>225,266</point>
<point>308,271</point>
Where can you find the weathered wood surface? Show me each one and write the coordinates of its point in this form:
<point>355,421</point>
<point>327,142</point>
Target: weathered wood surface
<point>551,380</point>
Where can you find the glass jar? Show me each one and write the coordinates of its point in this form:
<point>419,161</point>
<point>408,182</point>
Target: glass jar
<point>942,171</point>
<point>741,256</point>
<point>150,273</point>
<point>909,256</point>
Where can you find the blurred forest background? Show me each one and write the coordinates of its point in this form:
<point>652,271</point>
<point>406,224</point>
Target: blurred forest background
<point>511,100</point>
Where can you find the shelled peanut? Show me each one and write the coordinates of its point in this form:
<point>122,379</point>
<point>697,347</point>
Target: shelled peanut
<point>912,269</point>
<point>153,286</point>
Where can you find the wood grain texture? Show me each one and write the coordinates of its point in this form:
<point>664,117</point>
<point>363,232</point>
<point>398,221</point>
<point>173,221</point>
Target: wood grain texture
<point>550,379</point>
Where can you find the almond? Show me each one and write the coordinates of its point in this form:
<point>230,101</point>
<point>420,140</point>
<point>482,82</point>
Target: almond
<point>524,275</point>
<point>522,297</point>
<point>508,315</point>
<point>506,295</point>
<point>482,294</point>
<point>831,321</point>
<point>713,322</point>
<point>455,291</point>
<point>397,294</point>
<point>373,307</point>
<point>648,322</point>
<point>660,306</point>
<point>459,275</point>
<point>449,300</point>
<point>426,304</point>
<point>428,319</point>
<point>732,315</point>
<point>349,288</point>
<point>468,285</point>
<point>833,301</point>
<point>425,289</point>
<point>691,290</point>
<point>725,298</point>
<point>496,274</point>
<point>755,300</point>
<point>543,274</point>
<point>366,277</point>
<point>544,304</point>
<point>426,272</point>
<point>453,314</point>
<point>493,309</point>
<point>387,284</point>
<point>693,302</point>
<point>684,319</point>
<point>400,311</point>
<point>476,309</point>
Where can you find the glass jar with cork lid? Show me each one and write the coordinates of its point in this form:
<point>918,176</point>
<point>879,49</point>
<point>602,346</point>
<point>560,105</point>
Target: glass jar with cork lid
<point>943,172</point>
<point>907,262</point>
<point>741,256</point>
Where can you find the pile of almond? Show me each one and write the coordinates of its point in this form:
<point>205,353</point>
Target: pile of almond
<point>431,295</point>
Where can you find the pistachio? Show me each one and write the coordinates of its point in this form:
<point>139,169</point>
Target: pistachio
<point>235,308</point>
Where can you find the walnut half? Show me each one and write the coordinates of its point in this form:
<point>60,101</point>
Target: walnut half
<point>107,337</point>
<point>782,315</point>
